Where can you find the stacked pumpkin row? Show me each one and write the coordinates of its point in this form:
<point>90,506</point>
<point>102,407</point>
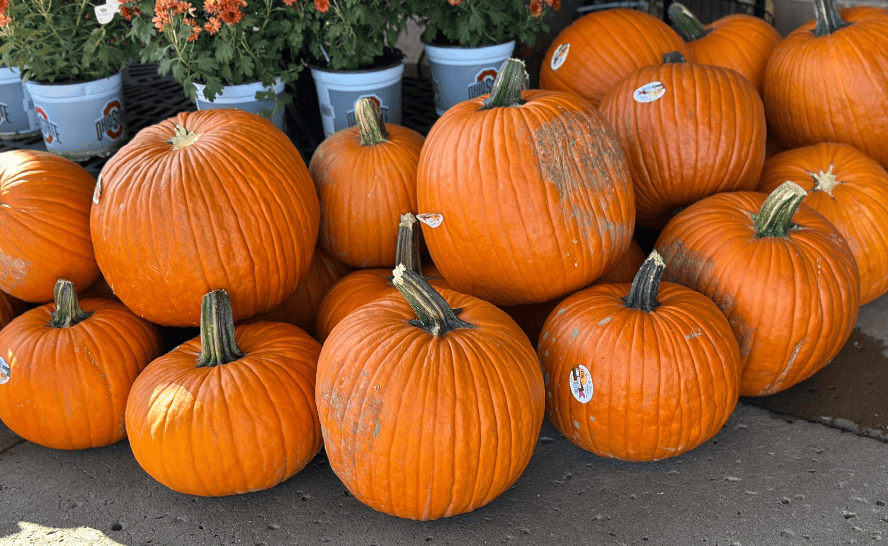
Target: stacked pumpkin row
<point>428,401</point>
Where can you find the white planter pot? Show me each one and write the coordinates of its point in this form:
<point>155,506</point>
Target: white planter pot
<point>463,73</point>
<point>339,90</point>
<point>81,120</point>
<point>243,97</point>
<point>17,116</point>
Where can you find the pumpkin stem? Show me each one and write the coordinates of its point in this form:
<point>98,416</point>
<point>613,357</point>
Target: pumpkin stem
<point>217,344</point>
<point>68,312</point>
<point>825,181</point>
<point>182,137</point>
<point>433,313</point>
<point>775,217</point>
<point>674,57</point>
<point>407,251</point>
<point>828,19</point>
<point>507,86</point>
<point>686,23</point>
<point>370,122</point>
<point>646,284</point>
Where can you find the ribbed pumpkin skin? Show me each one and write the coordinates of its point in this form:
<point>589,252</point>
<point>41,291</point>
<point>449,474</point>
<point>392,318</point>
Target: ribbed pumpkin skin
<point>832,88</point>
<point>705,135</point>
<point>234,428</point>
<point>361,189</point>
<point>45,202</point>
<point>604,47</point>
<point>356,289</point>
<point>857,206</point>
<point>235,210</point>
<point>792,302</point>
<point>627,267</point>
<point>537,201</point>
<point>301,308</point>
<point>663,382</point>
<point>424,427</point>
<point>68,387</point>
<point>740,42</point>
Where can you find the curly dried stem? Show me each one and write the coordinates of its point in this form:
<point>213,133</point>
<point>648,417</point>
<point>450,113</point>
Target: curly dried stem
<point>775,217</point>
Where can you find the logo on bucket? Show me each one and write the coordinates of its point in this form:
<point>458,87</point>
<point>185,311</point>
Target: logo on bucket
<point>483,83</point>
<point>4,114</point>
<point>383,110</point>
<point>49,129</point>
<point>111,123</point>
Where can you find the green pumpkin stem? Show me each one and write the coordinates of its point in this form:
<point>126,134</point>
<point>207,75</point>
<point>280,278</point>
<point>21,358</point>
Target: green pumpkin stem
<point>370,122</point>
<point>646,284</point>
<point>68,312</point>
<point>433,313</point>
<point>686,23</point>
<point>217,344</point>
<point>775,217</point>
<point>407,250</point>
<point>507,86</point>
<point>827,17</point>
<point>825,181</point>
<point>674,57</point>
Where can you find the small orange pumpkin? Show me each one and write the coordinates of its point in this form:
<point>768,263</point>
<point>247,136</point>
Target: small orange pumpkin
<point>70,366</point>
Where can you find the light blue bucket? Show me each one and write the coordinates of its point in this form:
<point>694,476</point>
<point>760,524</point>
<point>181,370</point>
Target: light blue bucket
<point>17,116</point>
<point>243,97</point>
<point>81,120</point>
<point>339,90</point>
<point>463,73</point>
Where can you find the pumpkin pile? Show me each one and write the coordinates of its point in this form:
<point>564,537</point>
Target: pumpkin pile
<point>416,305</point>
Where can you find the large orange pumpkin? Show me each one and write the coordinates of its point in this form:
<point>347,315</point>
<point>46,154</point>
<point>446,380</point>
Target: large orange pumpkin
<point>782,274</point>
<point>231,411</point>
<point>738,41</point>
<point>826,81</point>
<point>533,193</point>
<point>851,191</point>
<point>688,130</point>
<point>69,368</point>
<point>428,412</point>
<point>598,49</point>
<point>365,176</point>
<point>205,200</point>
<point>640,371</point>
<point>45,203</point>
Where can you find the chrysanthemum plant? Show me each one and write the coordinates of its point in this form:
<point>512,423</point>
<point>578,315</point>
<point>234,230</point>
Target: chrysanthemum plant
<point>475,23</point>
<point>224,42</point>
<point>63,41</point>
<point>356,34</point>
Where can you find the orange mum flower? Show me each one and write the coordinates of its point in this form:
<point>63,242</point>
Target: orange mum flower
<point>322,6</point>
<point>195,33</point>
<point>536,7</point>
<point>213,25</point>
<point>454,2</point>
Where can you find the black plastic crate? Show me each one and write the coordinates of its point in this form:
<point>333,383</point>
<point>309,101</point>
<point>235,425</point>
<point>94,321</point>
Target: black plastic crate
<point>705,10</point>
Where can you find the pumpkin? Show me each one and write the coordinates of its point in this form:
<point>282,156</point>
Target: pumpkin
<point>688,130</point>
<point>213,199</point>
<point>628,266</point>
<point>45,203</point>
<point>427,411</point>
<point>228,412</point>
<point>598,49</point>
<point>640,371</point>
<point>69,368</point>
<point>301,307</point>
<point>365,176</point>
<point>532,192</point>
<point>826,81</point>
<point>365,285</point>
<point>851,191</point>
<point>738,41</point>
<point>784,277</point>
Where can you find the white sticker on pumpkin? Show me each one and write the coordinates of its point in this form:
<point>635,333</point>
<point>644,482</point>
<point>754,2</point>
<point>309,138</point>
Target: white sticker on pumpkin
<point>559,56</point>
<point>580,381</point>
<point>431,219</point>
<point>4,371</point>
<point>106,12</point>
<point>649,92</point>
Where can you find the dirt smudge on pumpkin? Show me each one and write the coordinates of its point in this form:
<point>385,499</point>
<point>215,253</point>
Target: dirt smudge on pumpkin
<point>585,163</point>
<point>14,269</point>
